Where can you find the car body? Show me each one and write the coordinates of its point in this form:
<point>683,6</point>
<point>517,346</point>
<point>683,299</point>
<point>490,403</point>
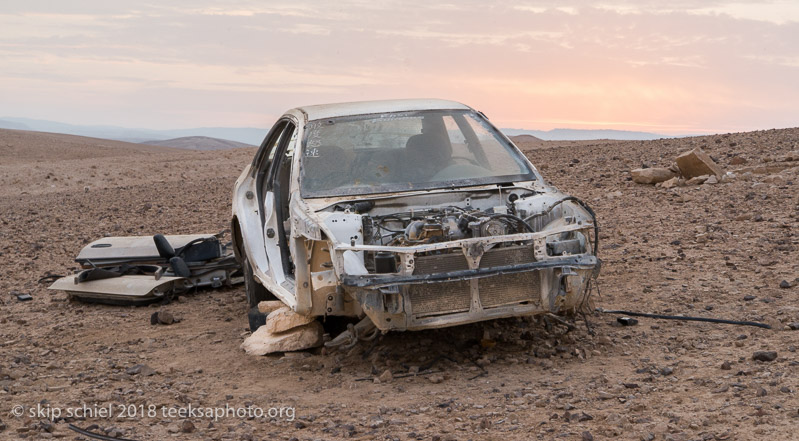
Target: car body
<point>416,213</point>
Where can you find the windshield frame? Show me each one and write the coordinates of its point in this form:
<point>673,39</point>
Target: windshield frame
<point>363,190</point>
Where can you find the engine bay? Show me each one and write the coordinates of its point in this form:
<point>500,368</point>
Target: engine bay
<point>440,225</point>
<point>431,219</point>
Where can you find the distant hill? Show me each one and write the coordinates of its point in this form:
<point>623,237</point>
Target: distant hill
<point>527,138</point>
<point>246,135</point>
<point>199,143</point>
<point>22,147</point>
<point>5,124</point>
<point>584,135</point>
<point>254,136</point>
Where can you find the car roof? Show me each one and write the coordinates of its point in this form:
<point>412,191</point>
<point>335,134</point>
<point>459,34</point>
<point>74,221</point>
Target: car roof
<point>322,111</point>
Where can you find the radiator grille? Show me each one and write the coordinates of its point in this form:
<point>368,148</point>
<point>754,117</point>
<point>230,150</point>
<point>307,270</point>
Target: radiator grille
<point>446,297</point>
<point>440,263</point>
<point>455,296</point>
<point>508,289</point>
<point>507,256</point>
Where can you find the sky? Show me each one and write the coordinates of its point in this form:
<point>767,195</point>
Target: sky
<point>670,67</point>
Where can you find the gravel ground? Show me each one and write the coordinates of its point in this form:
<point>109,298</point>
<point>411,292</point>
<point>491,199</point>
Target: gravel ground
<point>726,250</point>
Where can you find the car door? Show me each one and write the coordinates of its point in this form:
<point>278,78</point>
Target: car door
<point>276,213</point>
<point>248,202</point>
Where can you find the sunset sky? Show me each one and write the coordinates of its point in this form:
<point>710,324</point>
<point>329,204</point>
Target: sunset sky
<point>676,67</point>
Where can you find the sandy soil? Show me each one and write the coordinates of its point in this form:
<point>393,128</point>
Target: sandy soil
<point>711,250</point>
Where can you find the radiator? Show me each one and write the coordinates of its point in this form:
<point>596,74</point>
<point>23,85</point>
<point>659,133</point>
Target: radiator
<point>455,296</point>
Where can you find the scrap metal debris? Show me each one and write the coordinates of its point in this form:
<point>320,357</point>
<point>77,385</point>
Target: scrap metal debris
<point>145,269</point>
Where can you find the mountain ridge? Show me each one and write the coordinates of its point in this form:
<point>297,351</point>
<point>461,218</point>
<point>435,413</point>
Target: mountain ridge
<point>254,135</point>
<point>198,143</point>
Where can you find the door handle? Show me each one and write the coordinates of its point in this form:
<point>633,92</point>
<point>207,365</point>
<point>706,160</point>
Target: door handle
<point>270,233</point>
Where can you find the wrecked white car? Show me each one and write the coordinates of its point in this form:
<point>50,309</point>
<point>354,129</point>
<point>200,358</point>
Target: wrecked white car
<point>415,213</point>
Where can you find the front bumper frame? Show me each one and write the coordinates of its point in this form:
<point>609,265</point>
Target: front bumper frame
<point>382,280</point>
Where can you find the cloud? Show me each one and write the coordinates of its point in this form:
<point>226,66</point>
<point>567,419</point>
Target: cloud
<point>687,63</point>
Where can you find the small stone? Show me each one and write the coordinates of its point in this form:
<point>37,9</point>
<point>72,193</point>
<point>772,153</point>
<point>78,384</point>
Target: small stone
<point>793,326</point>
<point>764,355</point>
<point>785,284</point>
<point>436,378</point>
<point>671,183</point>
<point>666,371</point>
<point>712,180</point>
<point>748,298</point>
<point>386,376</point>
<point>187,427</point>
<point>761,392</point>
<point>737,160</point>
<point>697,180</point>
<point>140,369</point>
<point>726,366</point>
<point>587,436</point>
<point>652,175</point>
<point>165,318</point>
<point>604,340</point>
<point>605,395</point>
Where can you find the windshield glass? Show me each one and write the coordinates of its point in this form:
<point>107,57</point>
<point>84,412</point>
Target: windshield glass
<point>405,151</point>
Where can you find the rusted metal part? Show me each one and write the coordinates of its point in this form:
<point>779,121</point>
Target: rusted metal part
<point>378,281</point>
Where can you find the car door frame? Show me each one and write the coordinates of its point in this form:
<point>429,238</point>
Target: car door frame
<point>273,213</point>
<point>250,209</point>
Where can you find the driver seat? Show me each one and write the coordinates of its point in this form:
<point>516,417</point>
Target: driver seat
<point>429,147</point>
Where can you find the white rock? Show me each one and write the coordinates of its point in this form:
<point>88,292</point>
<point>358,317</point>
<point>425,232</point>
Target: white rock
<point>652,175</point>
<point>268,306</point>
<point>262,342</point>
<point>697,180</point>
<point>283,319</point>
<point>671,183</point>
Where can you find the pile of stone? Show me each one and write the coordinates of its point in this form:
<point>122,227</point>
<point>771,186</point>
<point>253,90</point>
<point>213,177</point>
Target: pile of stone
<point>694,167</point>
<point>284,331</point>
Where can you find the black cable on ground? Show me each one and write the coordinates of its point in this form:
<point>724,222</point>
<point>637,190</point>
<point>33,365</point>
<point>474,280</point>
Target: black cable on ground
<point>85,432</point>
<point>686,318</point>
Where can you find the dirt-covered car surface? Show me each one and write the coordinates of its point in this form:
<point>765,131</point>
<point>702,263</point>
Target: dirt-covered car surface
<point>414,213</point>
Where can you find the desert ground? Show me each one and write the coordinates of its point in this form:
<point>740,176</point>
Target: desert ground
<point>727,250</point>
